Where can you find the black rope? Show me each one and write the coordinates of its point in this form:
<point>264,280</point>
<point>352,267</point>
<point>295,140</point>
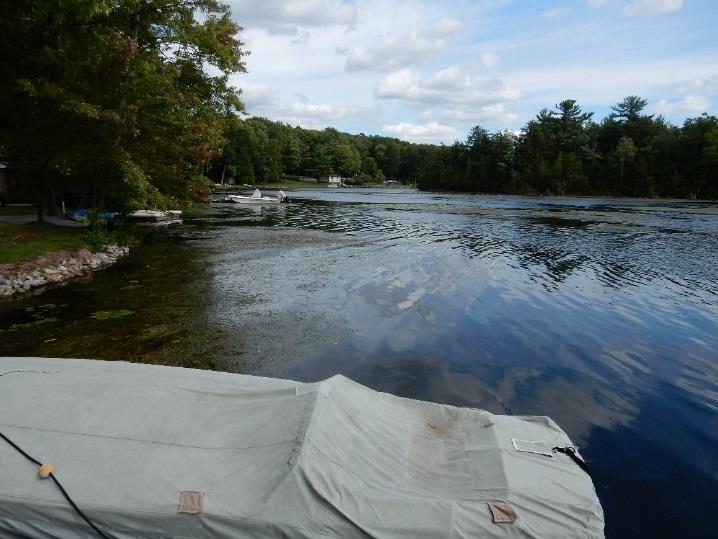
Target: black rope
<point>571,452</point>
<point>59,485</point>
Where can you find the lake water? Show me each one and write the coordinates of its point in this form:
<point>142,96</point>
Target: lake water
<point>602,314</point>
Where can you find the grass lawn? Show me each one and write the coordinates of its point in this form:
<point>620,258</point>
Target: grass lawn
<point>292,185</point>
<point>275,185</point>
<point>21,242</point>
<point>18,210</point>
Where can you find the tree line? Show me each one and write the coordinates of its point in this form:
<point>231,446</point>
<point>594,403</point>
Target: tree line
<point>561,151</point>
<point>261,151</point>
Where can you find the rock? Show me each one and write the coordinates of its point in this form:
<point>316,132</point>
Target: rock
<point>83,255</point>
<point>36,282</point>
<point>5,290</point>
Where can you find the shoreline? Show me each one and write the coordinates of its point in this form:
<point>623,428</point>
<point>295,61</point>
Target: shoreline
<point>58,267</point>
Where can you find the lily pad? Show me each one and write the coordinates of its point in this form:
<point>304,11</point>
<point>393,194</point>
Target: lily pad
<point>111,315</point>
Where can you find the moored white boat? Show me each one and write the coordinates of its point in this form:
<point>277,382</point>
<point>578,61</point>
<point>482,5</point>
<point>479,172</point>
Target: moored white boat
<point>257,198</point>
<point>241,199</point>
<point>149,451</point>
<point>156,215</point>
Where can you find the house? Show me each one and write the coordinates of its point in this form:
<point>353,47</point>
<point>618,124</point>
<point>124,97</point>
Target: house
<point>335,181</point>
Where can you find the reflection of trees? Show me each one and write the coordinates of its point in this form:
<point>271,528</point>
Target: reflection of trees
<point>556,263</point>
<point>533,252</point>
<point>550,248</point>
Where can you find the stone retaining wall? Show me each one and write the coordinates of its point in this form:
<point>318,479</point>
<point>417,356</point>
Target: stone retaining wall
<point>78,264</point>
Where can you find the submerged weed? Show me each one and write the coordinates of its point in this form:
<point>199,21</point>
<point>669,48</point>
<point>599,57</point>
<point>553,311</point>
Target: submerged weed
<point>34,323</point>
<point>111,315</point>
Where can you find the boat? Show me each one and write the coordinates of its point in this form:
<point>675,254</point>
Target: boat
<point>257,198</point>
<point>157,217</point>
<point>241,199</point>
<point>148,451</point>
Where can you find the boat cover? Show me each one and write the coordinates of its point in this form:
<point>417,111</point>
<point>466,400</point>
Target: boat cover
<point>267,458</point>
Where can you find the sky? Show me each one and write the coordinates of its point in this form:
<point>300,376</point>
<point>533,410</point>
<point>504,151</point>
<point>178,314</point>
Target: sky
<point>428,71</point>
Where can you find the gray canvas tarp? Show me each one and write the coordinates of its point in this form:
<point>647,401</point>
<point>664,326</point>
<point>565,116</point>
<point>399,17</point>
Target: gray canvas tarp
<point>272,458</point>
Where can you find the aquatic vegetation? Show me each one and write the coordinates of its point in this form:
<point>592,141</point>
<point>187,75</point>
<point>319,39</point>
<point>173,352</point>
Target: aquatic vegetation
<point>39,316</point>
<point>159,332</point>
<point>111,315</point>
<point>32,324</point>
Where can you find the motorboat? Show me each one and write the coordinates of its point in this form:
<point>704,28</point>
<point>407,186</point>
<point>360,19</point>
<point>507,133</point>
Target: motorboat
<point>257,198</point>
<point>156,215</point>
<point>242,199</point>
<point>148,451</point>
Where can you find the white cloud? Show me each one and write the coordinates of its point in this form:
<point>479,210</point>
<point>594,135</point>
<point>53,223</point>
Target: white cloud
<point>691,104</point>
<point>495,114</point>
<point>652,7</point>
<point>707,86</point>
<point>607,81</point>
<point>401,50</point>
<point>446,26</point>
<point>257,95</point>
<point>596,3</point>
<point>430,132</point>
<point>309,114</point>
<point>283,17</point>
<point>559,11</point>
<point>395,53</point>
<point>488,59</point>
<point>318,111</point>
<point>451,85</point>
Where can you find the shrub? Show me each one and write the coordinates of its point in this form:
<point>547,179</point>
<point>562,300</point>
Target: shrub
<point>99,233</point>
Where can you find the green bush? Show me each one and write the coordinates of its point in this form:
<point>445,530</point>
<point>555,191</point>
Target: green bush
<point>99,233</point>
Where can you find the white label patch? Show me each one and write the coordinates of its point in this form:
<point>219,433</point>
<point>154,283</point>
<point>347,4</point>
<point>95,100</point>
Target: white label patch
<point>527,446</point>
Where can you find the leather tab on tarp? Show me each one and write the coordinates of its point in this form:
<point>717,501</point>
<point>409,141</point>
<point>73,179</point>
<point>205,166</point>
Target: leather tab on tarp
<point>191,502</point>
<point>502,512</point>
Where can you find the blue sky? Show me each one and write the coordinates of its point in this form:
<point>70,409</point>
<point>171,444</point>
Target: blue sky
<point>428,71</point>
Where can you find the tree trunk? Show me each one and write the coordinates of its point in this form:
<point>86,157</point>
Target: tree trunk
<point>224,168</point>
<point>53,201</point>
<point>41,208</point>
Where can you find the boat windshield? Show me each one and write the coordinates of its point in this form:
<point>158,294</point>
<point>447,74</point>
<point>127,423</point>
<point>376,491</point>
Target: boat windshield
<point>257,194</point>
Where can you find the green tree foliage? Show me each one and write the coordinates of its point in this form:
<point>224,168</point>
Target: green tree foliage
<point>124,100</point>
<point>561,151</point>
<point>625,151</point>
<point>629,109</point>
